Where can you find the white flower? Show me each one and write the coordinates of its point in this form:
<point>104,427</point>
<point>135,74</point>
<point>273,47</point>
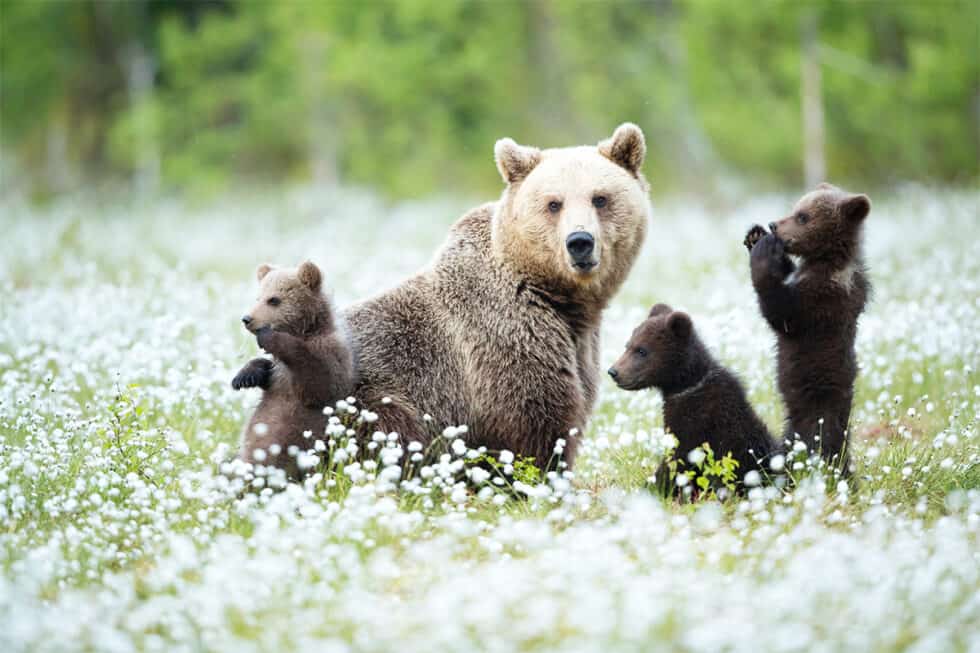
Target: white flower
<point>696,456</point>
<point>753,478</point>
<point>778,463</point>
<point>458,447</point>
<point>506,457</point>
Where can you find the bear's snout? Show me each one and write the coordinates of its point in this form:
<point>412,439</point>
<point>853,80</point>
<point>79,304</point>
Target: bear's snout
<point>246,319</point>
<point>772,226</point>
<point>613,372</point>
<point>580,246</point>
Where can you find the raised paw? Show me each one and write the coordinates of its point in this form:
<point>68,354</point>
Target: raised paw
<point>754,235</point>
<point>769,256</point>
<point>265,338</point>
<point>256,374</point>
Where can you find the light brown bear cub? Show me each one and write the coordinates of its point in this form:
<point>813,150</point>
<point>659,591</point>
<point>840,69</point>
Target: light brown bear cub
<point>312,365</point>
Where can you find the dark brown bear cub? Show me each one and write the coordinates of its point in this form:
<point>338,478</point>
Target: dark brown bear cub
<point>703,401</point>
<point>814,307</point>
<point>312,366</point>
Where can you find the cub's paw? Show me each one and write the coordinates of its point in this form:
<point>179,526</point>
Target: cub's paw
<point>256,374</point>
<point>769,255</point>
<point>755,234</point>
<point>265,337</point>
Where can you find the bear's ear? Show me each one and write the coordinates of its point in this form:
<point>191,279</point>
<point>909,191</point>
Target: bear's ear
<point>515,162</point>
<point>825,186</point>
<point>627,147</point>
<point>855,207</point>
<point>262,270</point>
<point>309,275</point>
<point>680,324</point>
<point>659,309</point>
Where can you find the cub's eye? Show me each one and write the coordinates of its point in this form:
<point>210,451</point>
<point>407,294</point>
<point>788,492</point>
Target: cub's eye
<point>641,352</point>
<point>802,218</point>
<point>600,201</point>
<point>554,206</point>
<point>274,301</point>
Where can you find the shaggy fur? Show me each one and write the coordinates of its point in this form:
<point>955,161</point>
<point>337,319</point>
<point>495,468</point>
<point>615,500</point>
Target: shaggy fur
<point>814,309</point>
<point>703,401</point>
<point>312,365</point>
<point>501,331</point>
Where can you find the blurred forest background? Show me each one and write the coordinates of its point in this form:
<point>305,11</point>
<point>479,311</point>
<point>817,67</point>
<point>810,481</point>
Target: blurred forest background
<point>407,98</point>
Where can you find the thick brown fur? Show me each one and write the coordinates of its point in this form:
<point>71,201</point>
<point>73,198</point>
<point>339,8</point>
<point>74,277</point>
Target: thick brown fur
<point>703,400</point>
<point>501,331</point>
<point>814,308</point>
<point>312,366</point>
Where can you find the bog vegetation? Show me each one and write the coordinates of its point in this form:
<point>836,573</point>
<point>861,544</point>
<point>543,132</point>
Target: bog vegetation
<point>119,335</point>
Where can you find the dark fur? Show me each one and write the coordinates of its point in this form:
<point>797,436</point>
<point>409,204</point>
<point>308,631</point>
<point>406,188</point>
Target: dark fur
<point>312,366</point>
<point>703,400</point>
<point>814,310</point>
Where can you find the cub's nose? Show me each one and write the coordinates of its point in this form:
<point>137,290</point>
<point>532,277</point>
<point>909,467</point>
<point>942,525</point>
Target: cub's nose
<point>246,319</point>
<point>613,373</point>
<point>580,244</point>
<point>772,227</point>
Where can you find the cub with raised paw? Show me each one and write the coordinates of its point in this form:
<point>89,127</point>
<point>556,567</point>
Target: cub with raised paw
<point>312,366</point>
<point>813,307</point>
<point>703,400</point>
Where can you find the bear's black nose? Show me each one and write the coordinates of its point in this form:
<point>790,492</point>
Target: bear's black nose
<point>772,227</point>
<point>246,319</point>
<point>580,244</point>
<point>613,373</point>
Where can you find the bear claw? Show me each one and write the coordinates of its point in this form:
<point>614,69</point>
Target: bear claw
<point>755,234</point>
<point>254,375</point>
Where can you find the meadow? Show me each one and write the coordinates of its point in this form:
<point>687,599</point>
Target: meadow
<point>119,335</point>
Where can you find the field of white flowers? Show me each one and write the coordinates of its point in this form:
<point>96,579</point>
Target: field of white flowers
<point>119,336</point>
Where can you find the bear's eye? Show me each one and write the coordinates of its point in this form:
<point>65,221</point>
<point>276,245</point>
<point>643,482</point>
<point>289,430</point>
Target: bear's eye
<point>274,301</point>
<point>554,206</point>
<point>600,201</point>
<point>802,218</point>
<point>641,352</point>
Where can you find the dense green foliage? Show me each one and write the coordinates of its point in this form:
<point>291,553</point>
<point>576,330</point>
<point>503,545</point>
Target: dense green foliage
<point>410,96</point>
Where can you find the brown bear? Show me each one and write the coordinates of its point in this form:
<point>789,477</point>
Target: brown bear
<point>814,307</point>
<point>501,331</point>
<point>703,400</point>
<point>312,366</point>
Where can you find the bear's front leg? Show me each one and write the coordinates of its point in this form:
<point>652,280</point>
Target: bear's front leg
<point>779,301</point>
<point>769,261</point>
<point>754,235</point>
<point>287,348</point>
<point>255,374</point>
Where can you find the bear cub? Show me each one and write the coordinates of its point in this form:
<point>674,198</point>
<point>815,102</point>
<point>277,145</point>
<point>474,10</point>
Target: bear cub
<point>312,366</point>
<point>703,400</point>
<point>813,307</point>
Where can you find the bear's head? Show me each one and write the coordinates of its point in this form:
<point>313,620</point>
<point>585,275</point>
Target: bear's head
<point>664,352</point>
<point>573,218</point>
<point>290,300</point>
<point>825,224</point>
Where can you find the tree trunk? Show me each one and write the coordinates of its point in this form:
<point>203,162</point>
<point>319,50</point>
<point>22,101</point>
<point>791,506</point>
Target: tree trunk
<point>814,164</point>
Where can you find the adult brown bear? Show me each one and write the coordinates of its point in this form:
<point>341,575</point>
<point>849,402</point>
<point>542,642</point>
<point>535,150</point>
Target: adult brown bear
<point>501,331</point>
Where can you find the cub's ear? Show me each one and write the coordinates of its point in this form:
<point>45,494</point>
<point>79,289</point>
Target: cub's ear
<point>262,270</point>
<point>855,207</point>
<point>515,162</point>
<point>825,186</point>
<point>659,309</point>
<point>680,324</point>
<point>626,147</point>
<point>309,275</point>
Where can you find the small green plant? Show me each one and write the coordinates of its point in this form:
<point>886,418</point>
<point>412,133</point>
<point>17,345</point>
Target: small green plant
<point>133,445</point>
<point>702,475</point>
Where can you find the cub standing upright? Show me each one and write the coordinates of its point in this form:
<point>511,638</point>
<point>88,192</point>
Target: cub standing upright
<point>814,307</point>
